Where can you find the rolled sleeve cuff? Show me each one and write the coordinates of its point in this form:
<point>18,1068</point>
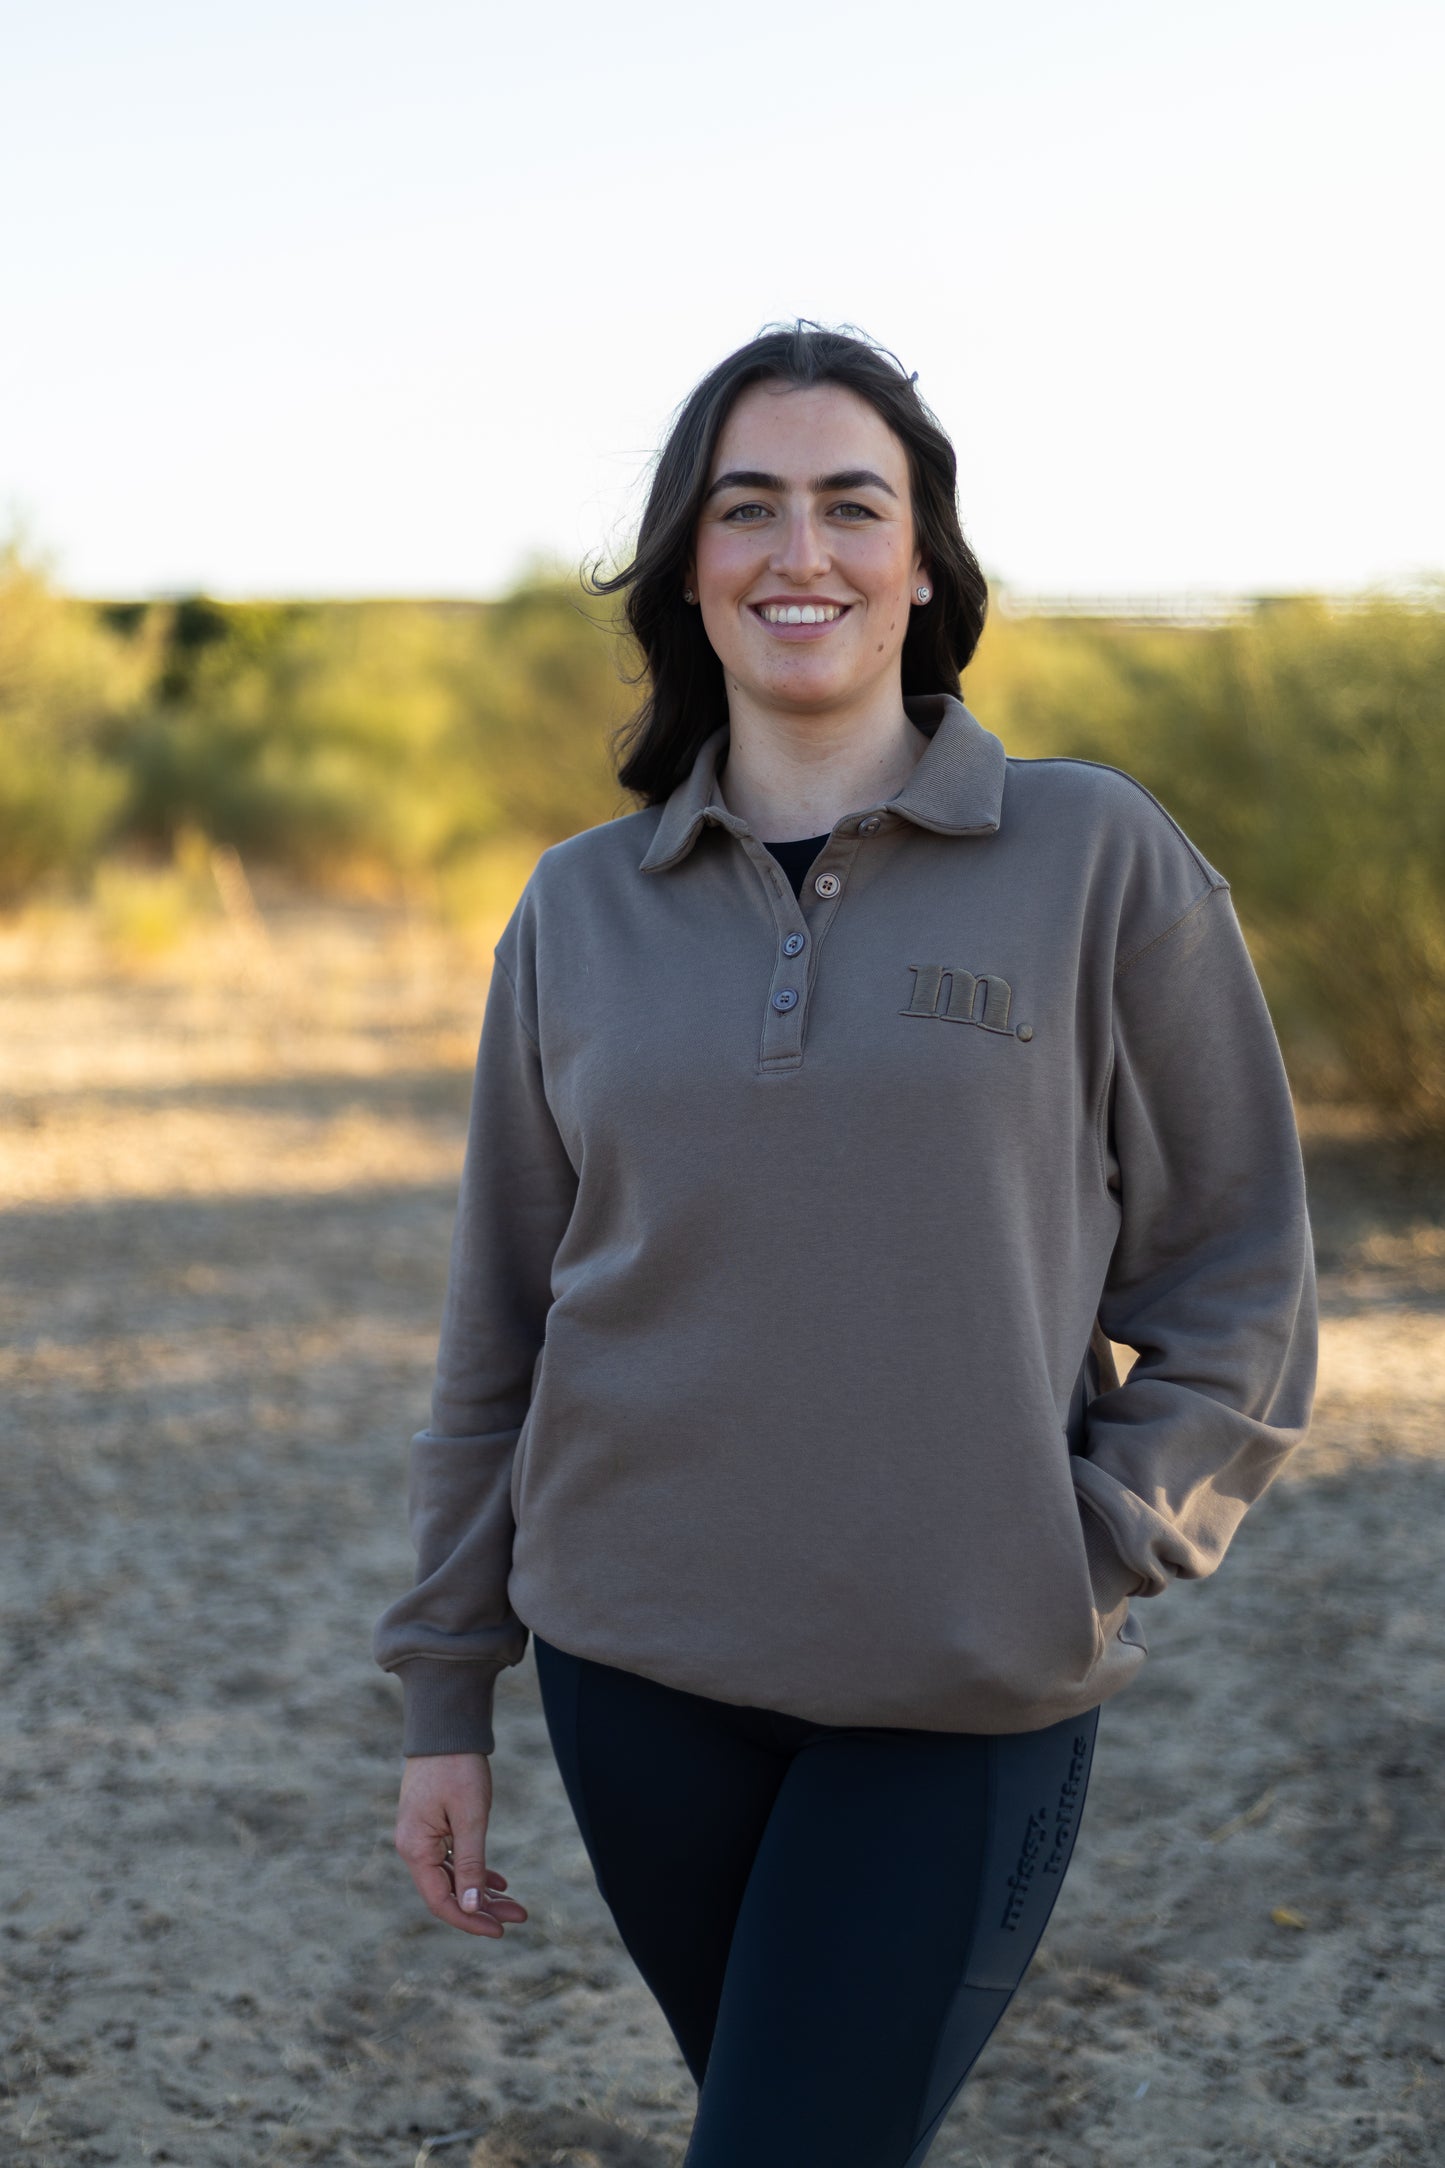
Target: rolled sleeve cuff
<point>447,1705</point>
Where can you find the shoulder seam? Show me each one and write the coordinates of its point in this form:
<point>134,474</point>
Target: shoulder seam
<point>1074,760</point>
<point>1215,888</point>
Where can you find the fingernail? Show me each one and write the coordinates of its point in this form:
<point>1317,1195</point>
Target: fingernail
<point>469,1900</point>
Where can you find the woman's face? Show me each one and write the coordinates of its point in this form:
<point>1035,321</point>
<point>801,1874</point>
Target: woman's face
<point>808,506</point>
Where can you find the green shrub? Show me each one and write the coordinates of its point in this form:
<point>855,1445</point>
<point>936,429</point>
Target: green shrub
<point>1302,750</point>
<point>63,679</point>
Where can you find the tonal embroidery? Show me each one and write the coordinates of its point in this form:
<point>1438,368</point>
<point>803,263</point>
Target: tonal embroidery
<point>984,1000</point>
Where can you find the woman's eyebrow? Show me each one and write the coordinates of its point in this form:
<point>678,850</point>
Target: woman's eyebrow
<point>754,478</point>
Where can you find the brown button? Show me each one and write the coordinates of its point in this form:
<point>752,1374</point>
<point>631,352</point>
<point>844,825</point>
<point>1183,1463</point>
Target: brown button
<point>868,827</point>
<point>827,884</point>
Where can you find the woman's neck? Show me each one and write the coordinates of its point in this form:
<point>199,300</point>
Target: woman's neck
<point>793,777</point>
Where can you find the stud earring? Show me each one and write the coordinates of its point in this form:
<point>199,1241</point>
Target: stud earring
<point>688,595</point>
<point>923,593</point>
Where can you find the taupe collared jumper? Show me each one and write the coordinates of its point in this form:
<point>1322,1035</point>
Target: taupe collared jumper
<point>769,1364</point>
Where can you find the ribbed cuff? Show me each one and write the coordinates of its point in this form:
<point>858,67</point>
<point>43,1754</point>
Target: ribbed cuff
<point>1114,1580</point>
<point>446,1705</point>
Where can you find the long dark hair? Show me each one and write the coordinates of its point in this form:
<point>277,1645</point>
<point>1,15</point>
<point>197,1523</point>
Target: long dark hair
<point>686,698</point>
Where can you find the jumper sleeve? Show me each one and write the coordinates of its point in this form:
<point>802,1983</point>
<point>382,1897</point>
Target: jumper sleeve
<point>454,1630</point>
<point>1212,1277</point>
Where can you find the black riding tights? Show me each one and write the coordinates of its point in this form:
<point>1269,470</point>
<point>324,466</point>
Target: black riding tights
<point>832,1918</point>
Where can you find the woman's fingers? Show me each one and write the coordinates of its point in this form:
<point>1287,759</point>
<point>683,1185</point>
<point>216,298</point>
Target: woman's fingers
<point>502,1908</point>
<point>491,1907</point>
<point>434,1880</point>
<point>441,1833</point>
<point>471,1890</point>
<point>439,1893</point>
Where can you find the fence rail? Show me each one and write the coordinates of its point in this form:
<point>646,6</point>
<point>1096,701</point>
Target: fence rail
<point>1210,608</point>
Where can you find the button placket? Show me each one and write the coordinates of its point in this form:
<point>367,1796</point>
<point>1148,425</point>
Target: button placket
<point>782,1041</point>
<point>822,895</point>
<point>795,960</point>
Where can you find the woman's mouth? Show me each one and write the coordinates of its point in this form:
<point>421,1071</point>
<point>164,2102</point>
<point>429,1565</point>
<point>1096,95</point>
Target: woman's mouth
<point>800,620</point>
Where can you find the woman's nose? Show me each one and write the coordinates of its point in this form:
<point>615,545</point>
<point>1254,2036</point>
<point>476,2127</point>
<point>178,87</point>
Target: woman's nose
<point>800,551</point>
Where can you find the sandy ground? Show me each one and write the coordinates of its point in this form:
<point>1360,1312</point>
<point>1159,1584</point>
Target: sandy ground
<point>230,1179</point>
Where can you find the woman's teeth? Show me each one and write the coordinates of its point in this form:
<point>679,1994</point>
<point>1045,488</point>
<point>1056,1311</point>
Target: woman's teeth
<point>807,613</point>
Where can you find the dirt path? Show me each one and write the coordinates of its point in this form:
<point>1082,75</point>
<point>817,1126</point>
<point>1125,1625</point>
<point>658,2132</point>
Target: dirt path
<point>231,1185</point>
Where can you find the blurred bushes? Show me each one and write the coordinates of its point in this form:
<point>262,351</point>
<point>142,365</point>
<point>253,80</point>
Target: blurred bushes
<point>1303,750</point>
<point>433,749</point>
<point>369,741</point>
<point>63,683</point>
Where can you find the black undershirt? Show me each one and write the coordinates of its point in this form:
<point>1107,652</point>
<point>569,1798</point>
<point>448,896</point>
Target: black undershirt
<point>795,859</point>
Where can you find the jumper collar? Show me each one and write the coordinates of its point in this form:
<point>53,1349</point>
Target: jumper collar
<point>955,787</point>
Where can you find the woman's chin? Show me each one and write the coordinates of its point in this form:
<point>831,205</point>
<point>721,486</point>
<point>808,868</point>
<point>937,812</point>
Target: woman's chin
<point>802,680</point>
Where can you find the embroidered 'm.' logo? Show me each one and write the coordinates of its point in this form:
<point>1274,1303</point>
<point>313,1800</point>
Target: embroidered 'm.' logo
<point>983,1001</point>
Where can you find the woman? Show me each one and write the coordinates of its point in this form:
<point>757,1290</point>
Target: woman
<point>833,1112</point>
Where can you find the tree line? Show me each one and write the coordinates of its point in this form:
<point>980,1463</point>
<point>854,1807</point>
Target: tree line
<point>1302,747</point>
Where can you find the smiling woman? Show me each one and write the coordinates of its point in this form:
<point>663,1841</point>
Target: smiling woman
<point>806,586</point>
<point>802,434</point>
<point>835,1111</point>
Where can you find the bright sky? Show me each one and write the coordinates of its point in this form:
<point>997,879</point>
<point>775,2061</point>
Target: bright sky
<point>326,296</point>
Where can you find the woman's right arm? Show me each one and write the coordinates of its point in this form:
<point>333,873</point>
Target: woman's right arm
<point>448,1637</point>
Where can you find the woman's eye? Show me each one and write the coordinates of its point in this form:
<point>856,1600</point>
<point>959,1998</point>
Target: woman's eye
<point>742,515</point>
